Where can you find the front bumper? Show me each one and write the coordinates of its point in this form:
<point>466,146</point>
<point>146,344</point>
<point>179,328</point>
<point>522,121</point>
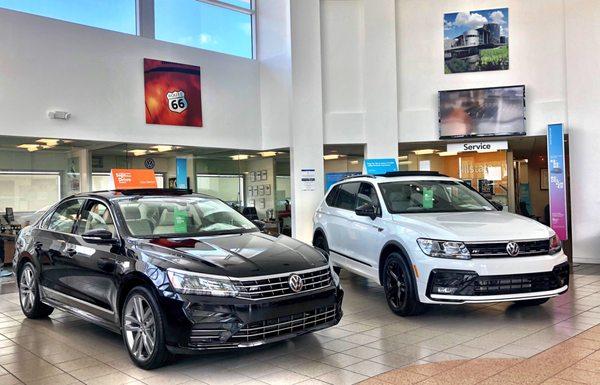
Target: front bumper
<point>469,287</point>
<point>203,323</point>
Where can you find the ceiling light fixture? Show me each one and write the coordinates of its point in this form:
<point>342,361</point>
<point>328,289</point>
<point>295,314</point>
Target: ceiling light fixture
<point>161,148</point>
<point>240,157</point>
<point>447,153</point>
<point>331,156</point>
<point>267,154</point>
<point>403,157</point>
<point>427,151</point>
<point>138,152</point>
<point>29,147</point>
<point>49,142</point>
<point>405,162</point>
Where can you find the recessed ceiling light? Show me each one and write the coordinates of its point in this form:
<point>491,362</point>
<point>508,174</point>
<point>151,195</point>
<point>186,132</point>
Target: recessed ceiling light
<point>354,162</point>
<point>138,152</point>
<point>427,151</point>
<point>267,154</point>
<point>403,157</point>
<point>49,142</point>
<point>240,157</point>
<point>331,156</point>
<point>405,162</point>
<point>29,147</point>
<point>447,153</point>
<point>161,148</point>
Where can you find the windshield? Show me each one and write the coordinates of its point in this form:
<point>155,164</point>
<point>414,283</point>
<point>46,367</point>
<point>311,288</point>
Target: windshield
<point>155,217</point>
<point>430,196</point>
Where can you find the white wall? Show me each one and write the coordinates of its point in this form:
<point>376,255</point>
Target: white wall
<point>97,75</point>
<point>536,52</point>
<point>583,90</point>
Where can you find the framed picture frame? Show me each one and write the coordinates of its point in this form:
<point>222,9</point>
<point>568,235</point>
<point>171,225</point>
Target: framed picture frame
<point>261,190</point>
<point>543,179</point>
<point>252,176</point>
<point>263,175</point>
<point>267,189</point>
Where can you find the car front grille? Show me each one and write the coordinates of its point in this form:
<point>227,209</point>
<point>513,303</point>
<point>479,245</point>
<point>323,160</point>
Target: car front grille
<point>282,326</point>
<point>278,285</point>
<point>468,283</point>
<point>498,249</point>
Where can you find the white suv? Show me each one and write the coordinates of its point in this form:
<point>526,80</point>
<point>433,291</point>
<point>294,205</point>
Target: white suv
<point>431,239</point>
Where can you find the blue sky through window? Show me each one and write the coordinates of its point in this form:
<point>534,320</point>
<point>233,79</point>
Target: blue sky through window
<point>187,22</point>
<point>116,15</point>
<point>201,25</point>
<point>457,23</point>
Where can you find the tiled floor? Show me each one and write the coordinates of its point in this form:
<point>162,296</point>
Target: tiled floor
<point>369,341</point>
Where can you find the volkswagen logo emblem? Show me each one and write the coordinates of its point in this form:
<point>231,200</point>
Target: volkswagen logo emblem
<point>512,249</point>
<point>295,283</point>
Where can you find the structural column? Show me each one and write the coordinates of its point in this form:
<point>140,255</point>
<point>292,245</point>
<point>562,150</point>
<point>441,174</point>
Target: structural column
<point>380,79</point>
<point>307,115</point>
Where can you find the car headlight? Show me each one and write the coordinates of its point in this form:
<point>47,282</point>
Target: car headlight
<point>444,249</point>
<point>555,245</point>
<point>187,282</point>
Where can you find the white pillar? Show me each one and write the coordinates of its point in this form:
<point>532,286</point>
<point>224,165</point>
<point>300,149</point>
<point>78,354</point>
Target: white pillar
<point>380,80</point>
<point>306,148</point>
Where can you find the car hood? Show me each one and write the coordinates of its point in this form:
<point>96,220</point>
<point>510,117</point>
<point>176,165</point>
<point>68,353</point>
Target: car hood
<point>237,255</point>
<point>474,226</point>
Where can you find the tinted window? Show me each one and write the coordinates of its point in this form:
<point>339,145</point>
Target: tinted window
<point>367,194</point>
<point>432,196</point>
<point>346,198</point>
<point>330,200</point>
<point>96,216</point>
<point>63,219</point>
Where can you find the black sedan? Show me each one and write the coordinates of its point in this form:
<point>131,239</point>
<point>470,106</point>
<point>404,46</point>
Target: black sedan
<point>174,272</point>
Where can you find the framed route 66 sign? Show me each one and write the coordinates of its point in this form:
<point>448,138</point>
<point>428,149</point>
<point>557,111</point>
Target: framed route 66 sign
<point>172,93</point>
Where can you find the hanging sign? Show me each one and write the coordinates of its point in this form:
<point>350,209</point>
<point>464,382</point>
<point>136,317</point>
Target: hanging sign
<point>495,145</point>
<point>380,166</point>
<point>127,179</point>
<point>556,183</point>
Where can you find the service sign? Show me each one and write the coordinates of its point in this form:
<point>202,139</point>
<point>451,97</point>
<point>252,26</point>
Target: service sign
<point>172,93</point>
<point>477,146</point>
<point>127,179</point>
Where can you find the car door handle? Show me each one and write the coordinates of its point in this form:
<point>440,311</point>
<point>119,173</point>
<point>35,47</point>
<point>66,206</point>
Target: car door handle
<point>106,264</point>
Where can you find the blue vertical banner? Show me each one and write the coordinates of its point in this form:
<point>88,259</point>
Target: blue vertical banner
<point>556,184</point>
<point>181,173</point>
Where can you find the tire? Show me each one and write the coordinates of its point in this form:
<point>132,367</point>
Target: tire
<point>532,302</point>
<point>142,325</point>
<point>400,287</point>
<point>321,242</point>
<point>29,293</point>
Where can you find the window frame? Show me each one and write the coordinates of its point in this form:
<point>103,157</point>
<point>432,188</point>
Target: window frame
<point>44,222</point>
<point>338,196</point>
<point>378,207</point>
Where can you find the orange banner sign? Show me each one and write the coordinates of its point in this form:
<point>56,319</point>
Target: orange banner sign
<point>126,179</point>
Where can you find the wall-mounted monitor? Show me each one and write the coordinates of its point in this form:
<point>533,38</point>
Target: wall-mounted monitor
<point>498,111</point>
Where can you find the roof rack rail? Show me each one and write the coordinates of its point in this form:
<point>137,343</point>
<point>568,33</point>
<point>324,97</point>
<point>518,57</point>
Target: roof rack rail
<point>390,174</point>
<point>359,176</point>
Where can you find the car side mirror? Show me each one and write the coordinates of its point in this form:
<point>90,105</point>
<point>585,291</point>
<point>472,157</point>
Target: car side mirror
<point>497,205</point>
<point>99,236</point>
<point>366,210</point>
<point>260,224</point>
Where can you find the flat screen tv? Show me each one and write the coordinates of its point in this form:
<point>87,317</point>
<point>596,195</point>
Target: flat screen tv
<point>498,111</point>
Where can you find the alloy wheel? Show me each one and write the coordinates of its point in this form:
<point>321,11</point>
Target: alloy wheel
<point>140,328</point>
<point>27,289</point>
<point>395,285</point>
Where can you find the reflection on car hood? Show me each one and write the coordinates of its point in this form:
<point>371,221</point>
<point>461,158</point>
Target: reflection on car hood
<point>237,255</point>
<point>474,226</point>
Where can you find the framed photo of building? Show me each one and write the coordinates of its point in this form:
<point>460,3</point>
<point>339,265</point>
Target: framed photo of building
<point>476,41</point>
<point>252,176</point>
<point>267,189</point>
<point>544,179</point>
<point>263,175</point>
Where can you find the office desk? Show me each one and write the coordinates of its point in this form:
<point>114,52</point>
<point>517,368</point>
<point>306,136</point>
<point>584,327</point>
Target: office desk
<point>7,247</point>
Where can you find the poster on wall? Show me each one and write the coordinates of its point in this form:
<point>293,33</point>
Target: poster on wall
<point>476,41</point>
<point>556,184</point>
<point>172,93</point>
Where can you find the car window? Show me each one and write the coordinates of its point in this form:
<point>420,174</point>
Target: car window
<point>155,217</point>
<point>346,197</point>
<point>367,194</point>
<point>64,217</point>
<point>330,200</point>
<point>95,216</point>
